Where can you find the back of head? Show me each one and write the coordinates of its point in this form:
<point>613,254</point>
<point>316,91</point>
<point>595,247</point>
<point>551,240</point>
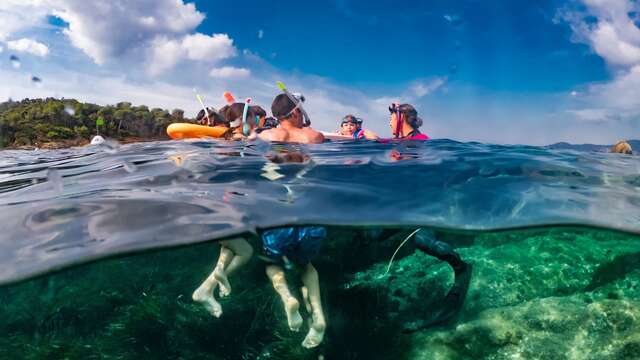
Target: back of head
<point>257,111</point>
<point>622,147</point>
<point>282,106</point>
<point>232,112</point>
<point>411,115</point>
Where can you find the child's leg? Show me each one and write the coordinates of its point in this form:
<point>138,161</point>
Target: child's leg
<point>240,252</point>
<point>291,305</point>
<point>318,324</point>
<point>204,293</point>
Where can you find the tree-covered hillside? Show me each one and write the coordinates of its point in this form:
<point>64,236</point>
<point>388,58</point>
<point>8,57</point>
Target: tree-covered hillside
<point>37,121</point>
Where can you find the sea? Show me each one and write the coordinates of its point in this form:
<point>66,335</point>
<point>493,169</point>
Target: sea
<point>102,247</point>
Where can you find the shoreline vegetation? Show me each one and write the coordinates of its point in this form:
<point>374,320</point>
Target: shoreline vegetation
<point>61,123</point>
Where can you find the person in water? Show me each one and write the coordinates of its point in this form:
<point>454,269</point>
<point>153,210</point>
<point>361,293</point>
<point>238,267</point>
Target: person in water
<point>404,123</point>
<point>256,120</point>
<point>352,126</point>
<point>214,118</point>
<point>622,147</point>
<point>234,253</point>
<point>295,246</point>
<point>291,121</point>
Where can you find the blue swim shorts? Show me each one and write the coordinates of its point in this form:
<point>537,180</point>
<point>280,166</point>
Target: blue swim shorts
<point>298,243</point>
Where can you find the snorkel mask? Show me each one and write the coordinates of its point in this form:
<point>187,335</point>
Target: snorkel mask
<point>297,99</point>
<point>394,108</point>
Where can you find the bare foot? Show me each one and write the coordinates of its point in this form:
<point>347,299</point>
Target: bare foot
<point>223,282</point>
<point>293,315</point>
<point>316,332</point>
<point>204,296</point>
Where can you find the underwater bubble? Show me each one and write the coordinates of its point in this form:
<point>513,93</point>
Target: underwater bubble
<point>129,166</point>
<point>15,61</point>
<point>54,177</point>
<point>69,110</point>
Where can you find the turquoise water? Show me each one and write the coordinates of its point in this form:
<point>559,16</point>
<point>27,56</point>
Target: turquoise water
<point>102,248</point>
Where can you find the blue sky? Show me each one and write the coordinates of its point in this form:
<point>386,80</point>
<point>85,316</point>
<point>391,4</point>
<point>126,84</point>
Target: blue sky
<point>530,72</point>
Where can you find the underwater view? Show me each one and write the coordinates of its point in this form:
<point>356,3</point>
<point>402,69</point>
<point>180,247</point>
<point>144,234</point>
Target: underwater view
<point>320,180</point>
<point>103,248</point>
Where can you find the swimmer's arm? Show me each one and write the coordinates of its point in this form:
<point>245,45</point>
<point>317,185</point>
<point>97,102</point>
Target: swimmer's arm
<point>370,135</point>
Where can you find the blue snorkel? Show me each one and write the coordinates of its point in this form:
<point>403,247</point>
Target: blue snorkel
<point>246,128</point>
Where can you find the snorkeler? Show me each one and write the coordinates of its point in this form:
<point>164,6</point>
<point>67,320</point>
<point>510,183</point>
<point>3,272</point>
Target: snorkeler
<point>213,115</point>
<point>404,123</point>
<point>295,246</point>
<point>352,126</point>
<point>234,253</point>
<point>622,147</point>
<point>292,126</point>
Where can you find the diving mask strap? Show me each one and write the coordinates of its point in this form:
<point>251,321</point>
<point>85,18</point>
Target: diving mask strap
<point>235,123</point>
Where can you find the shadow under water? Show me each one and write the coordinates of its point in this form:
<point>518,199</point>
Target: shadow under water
<point>554,292</point>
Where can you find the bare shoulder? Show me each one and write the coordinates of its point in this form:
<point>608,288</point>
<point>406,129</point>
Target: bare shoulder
<point>274,135</point>
<point>313,136</point>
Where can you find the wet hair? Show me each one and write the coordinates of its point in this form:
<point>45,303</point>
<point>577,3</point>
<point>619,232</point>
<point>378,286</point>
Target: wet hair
<point>622,147</point>
<point>270,122</point>
<point>352,119</point>
<point>216,118</point>
<point>411,115</point>
<point>232,112</point>
<point>282,106</point>
<point>257,111</point>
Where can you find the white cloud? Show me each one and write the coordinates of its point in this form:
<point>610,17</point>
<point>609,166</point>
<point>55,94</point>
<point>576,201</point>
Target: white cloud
<point>166,53</point>
<point>230,72</point>
<point>203,47</point>
<point>29,46</point>
<point>20,15</point>
<point>615,37</point>
<point>422,88</point>
<point>106,30</point>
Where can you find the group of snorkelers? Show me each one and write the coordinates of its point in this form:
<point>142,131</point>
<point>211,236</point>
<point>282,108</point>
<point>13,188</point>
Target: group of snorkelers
<point>294,247</point>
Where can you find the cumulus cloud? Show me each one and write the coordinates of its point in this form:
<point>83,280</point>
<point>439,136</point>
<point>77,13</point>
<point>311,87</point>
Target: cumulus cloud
<point>111,29</point>
<point>230,72</point>
<point>166,52</point>
<point>614,36</point>
<point>19,15</point>
<point>29,46</point>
